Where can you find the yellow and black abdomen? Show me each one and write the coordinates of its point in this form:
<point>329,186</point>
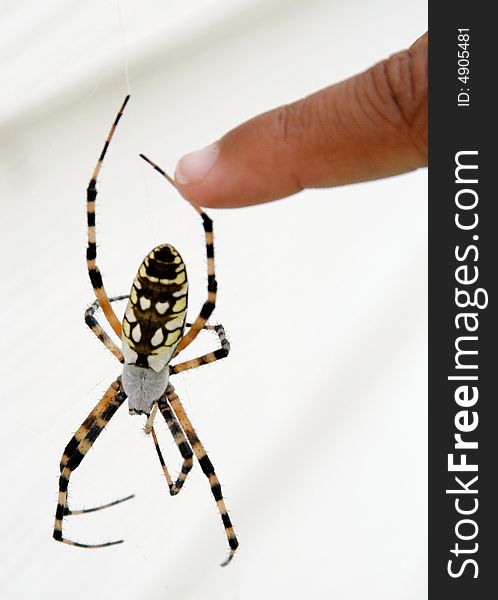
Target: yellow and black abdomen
<point>155,316</point>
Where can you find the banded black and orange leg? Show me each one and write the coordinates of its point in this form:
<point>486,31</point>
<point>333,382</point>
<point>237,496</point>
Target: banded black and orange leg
<point>98,330</point>
<point>91,252</point>
<point>74,453</point>
<point>209,304</point>
<point>206,358</point>
<point>181,442</point>
<point>207,469</point>
<point>193,363</point>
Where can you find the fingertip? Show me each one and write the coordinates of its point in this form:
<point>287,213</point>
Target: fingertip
<point>248,165</point>
<point>196,166</point>
<point>199,194</point>
<point>206,178</point>
<point>202,193</point>
<point>197,174</point>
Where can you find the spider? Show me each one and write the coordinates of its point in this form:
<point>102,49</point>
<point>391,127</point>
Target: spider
<point>153,332</point>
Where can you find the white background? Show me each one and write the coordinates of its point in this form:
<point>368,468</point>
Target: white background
<point>316,423</point>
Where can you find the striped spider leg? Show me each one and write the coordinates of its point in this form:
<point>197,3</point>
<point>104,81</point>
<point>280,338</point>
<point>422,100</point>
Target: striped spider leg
<point>186,340</point>
<point>91,251</point>
<point>169,417</point>
<point>152,332</point>
<point>74,453</point>
<point>193,363</point>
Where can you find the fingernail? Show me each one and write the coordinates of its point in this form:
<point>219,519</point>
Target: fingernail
<point>194,167</point>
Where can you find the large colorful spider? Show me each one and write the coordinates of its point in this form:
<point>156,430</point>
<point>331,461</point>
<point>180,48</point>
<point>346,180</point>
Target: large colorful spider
<point>153,332</point>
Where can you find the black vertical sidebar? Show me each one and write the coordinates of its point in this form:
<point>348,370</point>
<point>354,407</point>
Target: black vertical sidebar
<point>463,324</point>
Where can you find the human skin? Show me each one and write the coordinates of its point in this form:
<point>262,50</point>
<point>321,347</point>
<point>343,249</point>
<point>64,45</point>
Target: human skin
<point>370,126</point>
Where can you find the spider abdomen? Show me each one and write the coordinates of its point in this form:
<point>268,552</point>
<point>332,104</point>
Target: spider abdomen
<point>154,319</point>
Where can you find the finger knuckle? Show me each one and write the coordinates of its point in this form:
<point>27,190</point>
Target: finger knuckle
<point>401,82</point>
<point>287,125</point>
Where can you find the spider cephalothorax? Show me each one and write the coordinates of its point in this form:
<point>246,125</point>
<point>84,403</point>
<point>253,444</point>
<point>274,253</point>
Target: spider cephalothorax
<point>153,332</point>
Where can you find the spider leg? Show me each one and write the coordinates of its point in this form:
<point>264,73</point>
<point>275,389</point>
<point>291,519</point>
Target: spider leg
<point>74,453</point>
<point>205,358</point>
<point>181,442</point>
<point>83,511</point>
<point>98,330</point>
<point>207,469</point>
<point>91,252</point>
<point>209,304</point>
